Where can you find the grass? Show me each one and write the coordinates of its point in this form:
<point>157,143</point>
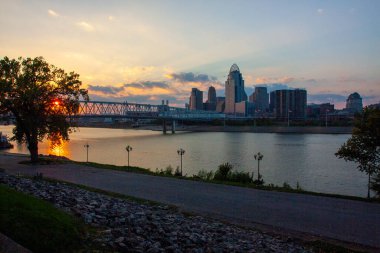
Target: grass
<point>37,224</point>
<point>115,167</point>
<point>163,173</point>
<point>268,187</point>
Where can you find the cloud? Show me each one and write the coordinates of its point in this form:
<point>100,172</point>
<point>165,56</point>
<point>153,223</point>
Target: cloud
<point>265,80</point>
<point>86,26</point>
<point>191,77</point>
<point>136,73</point>
<point>325,98</point>
<point>105,89</point>
<point>320,11</point>
<point>147,84</point>
<point>53,13</point>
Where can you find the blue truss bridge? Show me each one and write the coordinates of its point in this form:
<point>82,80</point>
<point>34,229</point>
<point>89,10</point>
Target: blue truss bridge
<point>142,111</point>
<point>168,114</point>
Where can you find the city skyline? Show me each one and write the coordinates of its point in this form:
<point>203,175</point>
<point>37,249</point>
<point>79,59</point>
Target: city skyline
<point>150,51</point>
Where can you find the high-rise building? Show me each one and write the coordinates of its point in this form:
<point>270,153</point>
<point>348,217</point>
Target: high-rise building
<point>260,98</point>
<point>211,95</point>
<point>196,99</point>
<point>220,104</point>
<point>354,103</point>
<point>289,104</point>
<point>235,92</point>
<point>210,104</point>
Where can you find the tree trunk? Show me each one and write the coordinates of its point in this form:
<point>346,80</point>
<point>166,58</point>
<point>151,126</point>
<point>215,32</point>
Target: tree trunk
<point>369,185</point>
<point>33,148</point>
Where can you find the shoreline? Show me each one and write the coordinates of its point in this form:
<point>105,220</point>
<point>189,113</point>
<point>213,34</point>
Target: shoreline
<point>236,129</point>
<point>235,220</point>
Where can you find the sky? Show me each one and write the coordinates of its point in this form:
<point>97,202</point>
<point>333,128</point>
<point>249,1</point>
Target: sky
<point>144,51</point>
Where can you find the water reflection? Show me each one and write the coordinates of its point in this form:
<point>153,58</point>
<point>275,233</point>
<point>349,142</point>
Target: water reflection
<point>60,148</point>
<point>307,158</point>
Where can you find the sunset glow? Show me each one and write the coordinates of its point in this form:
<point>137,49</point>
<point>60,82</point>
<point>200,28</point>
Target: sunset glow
<point>143,50</point>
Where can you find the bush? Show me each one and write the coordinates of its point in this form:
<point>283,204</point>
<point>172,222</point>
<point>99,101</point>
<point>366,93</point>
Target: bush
<point>285,185</point>
<point>223,172</point>
<point>241,177</point>
<point>167,172</point>
<point>205,175</point>
<point>177,172</point>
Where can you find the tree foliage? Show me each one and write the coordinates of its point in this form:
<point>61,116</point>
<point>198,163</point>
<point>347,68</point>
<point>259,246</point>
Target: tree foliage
<point>363,146</point>
<point>41,97</point>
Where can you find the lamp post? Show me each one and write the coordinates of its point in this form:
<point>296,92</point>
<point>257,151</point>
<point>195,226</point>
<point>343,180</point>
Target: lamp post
<point>258,157</point>
<point>181,152</point>
<point>87,146</point>
<point>128,148</point>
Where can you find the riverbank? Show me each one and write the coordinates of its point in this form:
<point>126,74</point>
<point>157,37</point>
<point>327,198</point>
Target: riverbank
<point>247,129</point>
<point>273,129</point>
<point>353,222</point>
<point>126,226</point>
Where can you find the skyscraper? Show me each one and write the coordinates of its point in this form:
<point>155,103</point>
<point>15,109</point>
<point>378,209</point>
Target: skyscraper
<point>196,99</point>
<point>289,104</point>
<point>210,104</point>
<point>211,95</point>
<point>260,98</point>
<point>354,103</point>
<point>235,92</point>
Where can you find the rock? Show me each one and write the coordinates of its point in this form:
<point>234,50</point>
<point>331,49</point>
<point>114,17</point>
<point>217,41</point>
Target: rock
<point>133,227</point>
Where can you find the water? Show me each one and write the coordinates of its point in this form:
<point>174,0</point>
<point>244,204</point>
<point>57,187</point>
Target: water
<point>305,158</point>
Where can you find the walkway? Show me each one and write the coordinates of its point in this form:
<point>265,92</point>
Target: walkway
<point>346,220</point>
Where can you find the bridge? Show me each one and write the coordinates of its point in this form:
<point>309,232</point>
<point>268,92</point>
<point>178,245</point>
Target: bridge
<point>95,109</point>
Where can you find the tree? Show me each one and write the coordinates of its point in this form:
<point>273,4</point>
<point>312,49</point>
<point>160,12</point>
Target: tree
<point>42,99</point>
<point>363,146</point>
<point>375,184</point>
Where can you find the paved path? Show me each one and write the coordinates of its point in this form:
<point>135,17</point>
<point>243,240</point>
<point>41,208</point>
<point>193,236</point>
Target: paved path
<point>346,220</point>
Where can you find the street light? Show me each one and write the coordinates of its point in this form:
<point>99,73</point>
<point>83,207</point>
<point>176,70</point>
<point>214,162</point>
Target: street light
<point>128,148</point>
<point>258,157</point>
<point>181,152</point>
<point>87,146</point>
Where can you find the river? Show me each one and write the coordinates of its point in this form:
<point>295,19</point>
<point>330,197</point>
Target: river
<point>304,158</point>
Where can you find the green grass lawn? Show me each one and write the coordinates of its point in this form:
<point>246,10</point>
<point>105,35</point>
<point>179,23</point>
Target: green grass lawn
<point>37,224</point>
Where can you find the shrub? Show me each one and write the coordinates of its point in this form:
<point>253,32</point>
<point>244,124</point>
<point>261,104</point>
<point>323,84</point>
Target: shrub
<point>241,177</point>
<point>285,185</point>
<point>223,172</point>
<point>177,172</point>
<point>205,175</point>
<point>168,170</point>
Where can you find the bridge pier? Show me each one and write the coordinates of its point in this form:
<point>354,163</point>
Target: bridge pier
<point>173,127</point>
<point>164,126</point>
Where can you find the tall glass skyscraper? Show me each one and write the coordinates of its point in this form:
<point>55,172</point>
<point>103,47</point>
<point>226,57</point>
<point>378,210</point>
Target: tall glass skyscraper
<point>235,92</point>
<point>196,99</point>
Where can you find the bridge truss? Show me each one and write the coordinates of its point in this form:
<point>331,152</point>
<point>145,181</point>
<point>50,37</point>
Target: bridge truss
<point>147,111</point>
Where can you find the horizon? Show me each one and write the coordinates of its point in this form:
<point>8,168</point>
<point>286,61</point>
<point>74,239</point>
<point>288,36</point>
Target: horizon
<point>148,51</point>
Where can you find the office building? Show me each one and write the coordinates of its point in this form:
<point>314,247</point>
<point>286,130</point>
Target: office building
<point>234,90</point>
<point>220,104</point>
<point>260,98</point>
<point>289,104</point>
<point>354,103</point>
<point>210,104</point>
<point>196,99</point>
